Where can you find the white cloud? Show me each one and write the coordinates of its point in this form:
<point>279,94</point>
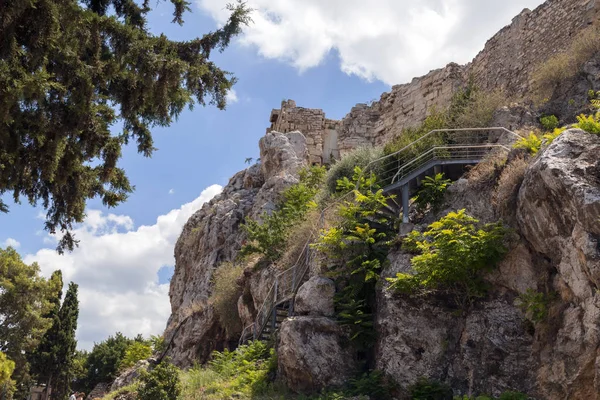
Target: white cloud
<point>171,191</point>
<point>12,243</point>
<point>116,268</point>
<point>389,40</point>
<point>231,97</point>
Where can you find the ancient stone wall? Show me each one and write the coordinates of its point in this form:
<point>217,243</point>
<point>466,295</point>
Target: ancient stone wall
<point>511,55</point>
<point>506,62</point>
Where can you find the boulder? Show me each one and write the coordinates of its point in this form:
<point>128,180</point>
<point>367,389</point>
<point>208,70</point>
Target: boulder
<point>130,375</point>
<point>315,297</point>
<point>311,356</point>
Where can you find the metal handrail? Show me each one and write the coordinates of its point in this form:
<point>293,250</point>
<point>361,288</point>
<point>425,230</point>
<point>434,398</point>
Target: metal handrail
<point>452,138</point>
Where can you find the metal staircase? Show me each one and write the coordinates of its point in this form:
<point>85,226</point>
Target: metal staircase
<point>401,171</point>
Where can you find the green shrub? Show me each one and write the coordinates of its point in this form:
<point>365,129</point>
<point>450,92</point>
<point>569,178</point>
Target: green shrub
<point>549,122</point>
<point>131,390</point>
<point>268,236</point>
<point>7,385</point>
<point>432,192</point>
<point>136,351</point>
<point>453,254</point>
<point>531,143</point>
<point>479,110</point>
<point>355,251</point>
<point>344,168</point>
<point>550,136</point>
<point>534,305</point>
<point>373,384</point>
<point>161,383</point>
<point>425,389</point>
<point>589,123</point>
<point>225,295</point>
<point>513,396</point>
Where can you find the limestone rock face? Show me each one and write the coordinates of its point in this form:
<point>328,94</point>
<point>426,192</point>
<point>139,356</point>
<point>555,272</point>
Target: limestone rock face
<point>128,376</point>
<point>315,297</point>
<point>558,213</point>
<point>487,350</point>
<point>213,236</point>
<point>311,356</point>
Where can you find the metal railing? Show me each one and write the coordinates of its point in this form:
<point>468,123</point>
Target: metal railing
<point>436,147</point>
<point>440,144</point>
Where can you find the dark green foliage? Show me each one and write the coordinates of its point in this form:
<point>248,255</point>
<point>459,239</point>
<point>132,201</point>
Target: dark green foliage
<point>356,251</point>
<point>161,383</point>
<point>534,305</point>
<point>269,235</point>
<point>431,193</point>
<point>26,299</point>
<point>344,168</point>
<point>453,254</point>
<point>66,344</point>
<point>69,71</point>
<point>425,389</point>
<point>549,122</point>
<point>45,357</point>
<point>104,359</point>
<point>513,396</point>
<point>373,383</point>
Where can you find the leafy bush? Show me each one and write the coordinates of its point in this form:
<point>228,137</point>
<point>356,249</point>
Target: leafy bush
<point>135,352</point>
<point>225,295</point>
<point>425,389</point>
<point>355,251</point>
<point>549,122</point>
<point>344,168</point>
<point>534,305</point>
<point>269,236</point>
<point>7,385</point>
<point>453,254</point>
<point>161,383</point>
<point>550,136</point>
<point>432,192</point>
<point>372,383</point>
<point>531,143</point>
<point>589,123</point>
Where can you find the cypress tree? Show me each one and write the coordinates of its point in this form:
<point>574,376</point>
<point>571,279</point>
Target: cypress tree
<point>72,69</point>
<point>69,312</point>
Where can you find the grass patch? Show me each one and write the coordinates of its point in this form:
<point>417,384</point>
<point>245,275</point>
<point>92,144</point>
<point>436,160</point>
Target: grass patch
<point>225,295</point>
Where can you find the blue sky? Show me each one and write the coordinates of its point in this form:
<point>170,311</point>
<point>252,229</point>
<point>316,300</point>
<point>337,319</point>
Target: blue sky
<point>328,56</point>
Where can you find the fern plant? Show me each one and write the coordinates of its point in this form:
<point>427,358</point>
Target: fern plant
<point>531,143</point>
<point>432,192</point>
<point>589,123</point>
<point>550,136</point>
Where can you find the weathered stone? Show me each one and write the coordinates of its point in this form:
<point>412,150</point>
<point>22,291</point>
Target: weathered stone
<point>130,375</point>
<point>315,297</point>
<point>311,356</point>
<point>212,236</point>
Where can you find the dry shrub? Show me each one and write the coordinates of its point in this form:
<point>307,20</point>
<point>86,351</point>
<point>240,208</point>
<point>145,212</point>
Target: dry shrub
<point>297,239</point>
<point>479,112</point>
<point>486,173</point>
<point>566,65</point>
<point>225,295</point>
<point>505,195</point>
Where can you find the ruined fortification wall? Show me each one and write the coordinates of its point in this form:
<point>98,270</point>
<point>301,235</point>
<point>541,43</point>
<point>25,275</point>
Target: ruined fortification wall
<point>506,63</point>
<point>511,55</point>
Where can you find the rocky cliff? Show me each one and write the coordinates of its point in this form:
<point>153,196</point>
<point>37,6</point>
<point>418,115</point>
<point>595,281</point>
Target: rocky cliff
<point>552,203</point>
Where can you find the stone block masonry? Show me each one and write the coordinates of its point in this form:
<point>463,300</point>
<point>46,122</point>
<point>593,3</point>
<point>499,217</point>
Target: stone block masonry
<point>505,63</point>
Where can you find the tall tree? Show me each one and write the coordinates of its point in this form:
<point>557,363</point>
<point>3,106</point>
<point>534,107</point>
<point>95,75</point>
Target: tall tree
<point>24,302</point>
<point>52,363</point>
<point>67,348</point>
<point>71,69</point>
<point>104,359</point>
<point>44,359</point>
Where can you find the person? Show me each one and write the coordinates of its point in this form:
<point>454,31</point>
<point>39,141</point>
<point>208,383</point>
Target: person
<point>81,396</point>
<point>73,396</point>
